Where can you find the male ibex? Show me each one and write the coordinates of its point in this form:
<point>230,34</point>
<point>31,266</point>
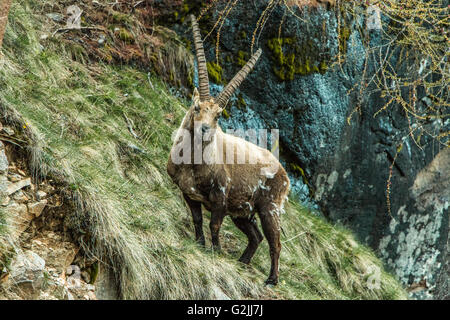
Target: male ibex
<point>236,189</point>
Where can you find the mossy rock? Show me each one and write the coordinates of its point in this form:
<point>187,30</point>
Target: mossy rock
<point>299,171</point>
<point>242,58</point>
<point>184,10</point>
<point>226,114</point>
<point>215,72</point>
<point>344,35</point>
<point>241,104</point>
<point>242,35</point>
<point>291,58</point>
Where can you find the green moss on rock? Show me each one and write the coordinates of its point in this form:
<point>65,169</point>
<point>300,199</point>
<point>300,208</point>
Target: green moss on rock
<point>242,35</point>
<point>291,58</point>
<point>241,104</point>
<point>215,72</point>
<point>298,170</point>
<point>226,114</point>
<point>344,35</point>
<point>242,58</point>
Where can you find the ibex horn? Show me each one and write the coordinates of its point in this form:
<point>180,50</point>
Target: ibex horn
<point>201,60</point>
<point>226,94</point>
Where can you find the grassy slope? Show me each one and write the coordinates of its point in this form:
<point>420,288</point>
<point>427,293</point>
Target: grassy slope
<point>133,216</point>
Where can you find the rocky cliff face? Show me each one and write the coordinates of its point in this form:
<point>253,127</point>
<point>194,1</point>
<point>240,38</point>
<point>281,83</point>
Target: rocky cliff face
<point>343,167</point>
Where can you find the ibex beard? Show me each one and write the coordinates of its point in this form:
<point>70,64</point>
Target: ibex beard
<point>253,182</point>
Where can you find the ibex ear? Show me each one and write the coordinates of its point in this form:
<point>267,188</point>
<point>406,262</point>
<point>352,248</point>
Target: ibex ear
<point>196,97</point>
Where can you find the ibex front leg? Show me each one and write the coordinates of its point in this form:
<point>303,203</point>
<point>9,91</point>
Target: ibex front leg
<point>217,215</point>
<point>218,212</point>
<point>196,210</point>
<point>270,223</point>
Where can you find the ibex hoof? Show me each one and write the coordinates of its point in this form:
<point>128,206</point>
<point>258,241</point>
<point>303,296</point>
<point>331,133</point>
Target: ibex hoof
<point>201,242</point>
<point>244,260</point>
<point>271,282</point>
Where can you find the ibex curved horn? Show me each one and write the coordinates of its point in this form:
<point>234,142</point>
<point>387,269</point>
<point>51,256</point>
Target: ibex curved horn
<point>226,94</point>
<point>201,60</point>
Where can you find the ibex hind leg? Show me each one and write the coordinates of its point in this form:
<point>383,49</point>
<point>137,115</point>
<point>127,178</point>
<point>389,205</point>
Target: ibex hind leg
<point>196,210</point>
<point>270,222</point>
<point>250,229</point>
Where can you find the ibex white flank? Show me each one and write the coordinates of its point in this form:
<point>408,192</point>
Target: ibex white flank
<point>236,189</point>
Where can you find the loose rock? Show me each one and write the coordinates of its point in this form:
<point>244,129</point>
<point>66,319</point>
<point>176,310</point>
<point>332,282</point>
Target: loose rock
<point>14,187</point>
<point>37,207</point>
<point>40,195</point>
<point>3,160</point>
<point>27,272</point>
<point>19,218</point>
<point>9,131</point>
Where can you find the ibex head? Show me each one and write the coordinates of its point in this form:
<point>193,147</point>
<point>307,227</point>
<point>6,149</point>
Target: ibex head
<point>206,113</point>
<point>206,109</point>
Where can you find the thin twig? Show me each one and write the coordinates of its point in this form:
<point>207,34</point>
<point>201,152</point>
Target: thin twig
<point>10,141</point>
<point>150,81</point>
<point>138,3</point>
<point>130,126</point>
<point>298,235</point>
<point>79,29</point>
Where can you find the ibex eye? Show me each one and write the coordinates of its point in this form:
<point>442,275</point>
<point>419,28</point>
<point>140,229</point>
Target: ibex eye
<point>197,108</point>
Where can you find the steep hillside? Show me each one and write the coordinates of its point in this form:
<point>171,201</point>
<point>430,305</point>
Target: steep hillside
<point>99,134</point>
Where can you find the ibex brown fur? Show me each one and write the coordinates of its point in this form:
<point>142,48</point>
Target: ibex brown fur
<point>238,190</point>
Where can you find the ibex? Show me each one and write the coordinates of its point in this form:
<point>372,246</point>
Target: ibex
<point>236,189</point>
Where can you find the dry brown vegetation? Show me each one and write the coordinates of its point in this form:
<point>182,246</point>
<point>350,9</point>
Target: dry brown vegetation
<point>4,10</point>
<point>124,32</point>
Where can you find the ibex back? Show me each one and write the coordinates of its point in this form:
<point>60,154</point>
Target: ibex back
<point>259,184</point>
